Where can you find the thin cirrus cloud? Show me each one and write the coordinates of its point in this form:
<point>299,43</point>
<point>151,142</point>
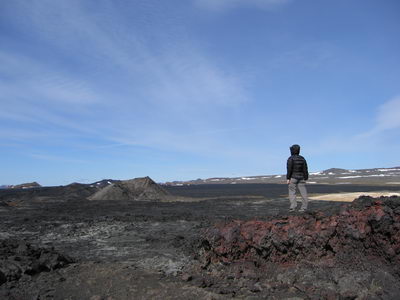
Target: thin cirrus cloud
<point>222,5</point>
<point>37,97</point>
<point>387,118</point>
<point>389,115</point>
<point>127,92</point>
<point>56,158</point>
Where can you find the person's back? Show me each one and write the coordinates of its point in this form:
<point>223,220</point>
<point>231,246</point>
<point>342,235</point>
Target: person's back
<point>297,165</point>
<point>297,174</point>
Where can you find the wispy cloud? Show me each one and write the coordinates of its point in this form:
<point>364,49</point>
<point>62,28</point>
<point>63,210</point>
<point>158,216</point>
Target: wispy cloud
<point>311,55</point>
<point>129,91</point>
<point>54,158</point>
<point>389,115</point>
<point>387,118</point>
<point>376,138</point>
<point>221,5</point>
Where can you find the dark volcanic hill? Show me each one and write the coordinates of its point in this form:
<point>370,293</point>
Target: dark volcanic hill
<point>74,191</point>
<point>28,185</point>
<point>135,189</point>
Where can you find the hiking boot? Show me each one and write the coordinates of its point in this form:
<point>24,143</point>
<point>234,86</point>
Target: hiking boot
<point>302,209</point>
<point>292,209</point>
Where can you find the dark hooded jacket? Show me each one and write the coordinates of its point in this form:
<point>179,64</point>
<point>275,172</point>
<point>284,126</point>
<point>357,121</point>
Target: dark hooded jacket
<point>296,165</point>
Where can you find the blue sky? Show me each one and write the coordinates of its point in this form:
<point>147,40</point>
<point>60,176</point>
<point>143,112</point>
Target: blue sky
<point>198,88</point>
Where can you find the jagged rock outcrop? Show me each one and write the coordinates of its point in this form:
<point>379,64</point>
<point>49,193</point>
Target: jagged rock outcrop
<point>19,258</point>
<point>351,255</point>
<point>143,188</point>
<point>369,227</point>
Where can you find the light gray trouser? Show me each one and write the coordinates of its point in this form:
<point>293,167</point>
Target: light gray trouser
<point>301,185</point>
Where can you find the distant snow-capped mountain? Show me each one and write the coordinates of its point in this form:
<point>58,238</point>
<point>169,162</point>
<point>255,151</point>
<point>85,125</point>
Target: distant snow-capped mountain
<point>377,176</point>
<point>28,185</point>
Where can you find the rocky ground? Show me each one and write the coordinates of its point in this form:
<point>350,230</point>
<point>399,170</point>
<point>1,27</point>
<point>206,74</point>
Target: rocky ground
<point>242,242</point>
<point>354,254</point>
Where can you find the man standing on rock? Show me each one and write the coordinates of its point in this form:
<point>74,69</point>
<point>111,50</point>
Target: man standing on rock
<point>297,174</point>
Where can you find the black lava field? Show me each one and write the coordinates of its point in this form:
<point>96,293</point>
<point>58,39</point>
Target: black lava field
<point>200,242</point>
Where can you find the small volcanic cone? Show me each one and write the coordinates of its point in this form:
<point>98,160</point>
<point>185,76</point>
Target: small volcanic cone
<point>143,188</point>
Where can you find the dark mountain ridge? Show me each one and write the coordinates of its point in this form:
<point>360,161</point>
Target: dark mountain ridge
<point>135,189</point>
<point>375,176</point>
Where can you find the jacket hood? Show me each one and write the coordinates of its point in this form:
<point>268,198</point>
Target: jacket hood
<point>295,150</point>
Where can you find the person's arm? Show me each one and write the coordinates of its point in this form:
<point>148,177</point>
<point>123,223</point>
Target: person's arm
<point>305,170</point>
<point>289,168</point>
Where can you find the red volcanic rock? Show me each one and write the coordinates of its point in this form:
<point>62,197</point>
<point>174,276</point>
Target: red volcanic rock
<point>368,228</point>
